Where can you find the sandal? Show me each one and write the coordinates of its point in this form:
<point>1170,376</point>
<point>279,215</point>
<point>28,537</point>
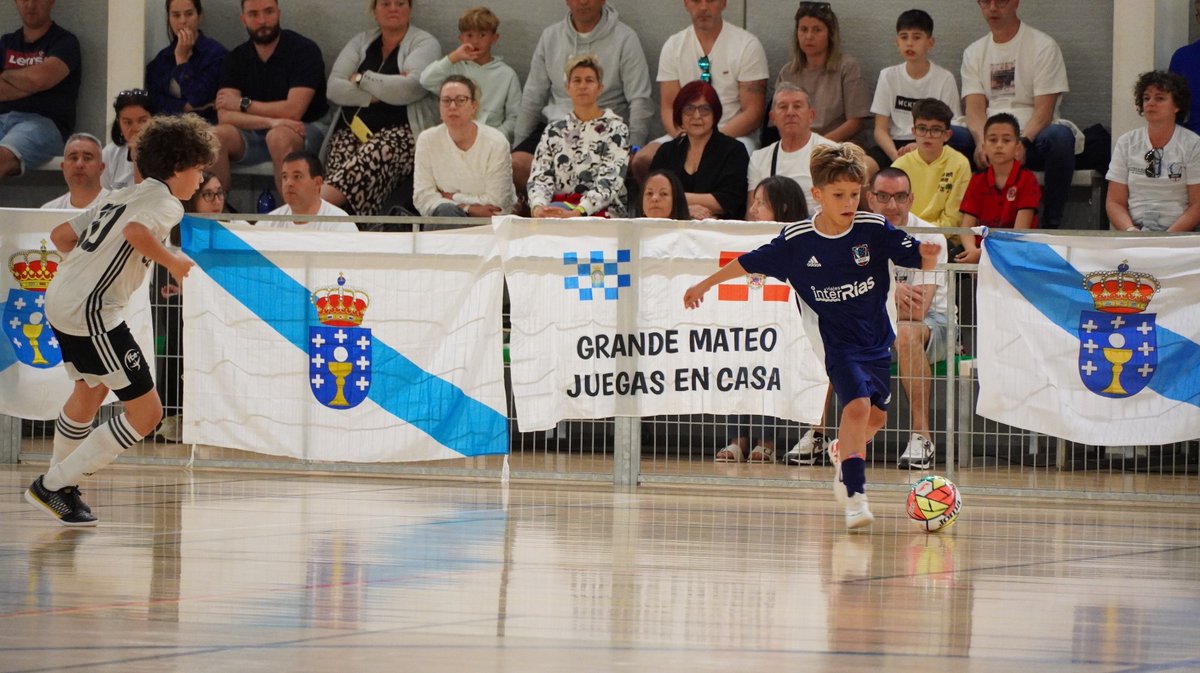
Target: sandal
<point>762,454</point>
<point>729,454</point>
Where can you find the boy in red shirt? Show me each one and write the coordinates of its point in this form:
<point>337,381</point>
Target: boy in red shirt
<point>1006,195</point>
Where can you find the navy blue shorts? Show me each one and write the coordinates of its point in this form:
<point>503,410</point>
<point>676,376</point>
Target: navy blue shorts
<point>872,379</point>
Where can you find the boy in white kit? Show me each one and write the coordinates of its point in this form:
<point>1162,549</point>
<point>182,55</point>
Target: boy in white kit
<point>111,247</point>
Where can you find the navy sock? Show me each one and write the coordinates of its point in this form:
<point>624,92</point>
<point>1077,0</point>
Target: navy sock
<point>854,474</point>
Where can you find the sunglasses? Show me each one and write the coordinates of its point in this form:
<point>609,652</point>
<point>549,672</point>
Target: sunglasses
<point>1154,163</point>
<point>705,69</point>
<point>133,92</point>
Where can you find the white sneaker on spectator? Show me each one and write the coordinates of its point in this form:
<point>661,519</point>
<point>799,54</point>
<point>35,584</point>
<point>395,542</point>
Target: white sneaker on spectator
<point>808,450</point>
<point>918,455</point>
<point>858,514</point>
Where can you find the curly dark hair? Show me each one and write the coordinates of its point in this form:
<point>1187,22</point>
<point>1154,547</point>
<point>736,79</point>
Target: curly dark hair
<point>1170,82</point>
<point>169,145</point>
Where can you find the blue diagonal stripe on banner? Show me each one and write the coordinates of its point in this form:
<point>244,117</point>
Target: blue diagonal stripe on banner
<point>1055,288</point>
<point>434,405</point>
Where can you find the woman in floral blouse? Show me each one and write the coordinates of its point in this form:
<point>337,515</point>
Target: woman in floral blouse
<point>579,166</point>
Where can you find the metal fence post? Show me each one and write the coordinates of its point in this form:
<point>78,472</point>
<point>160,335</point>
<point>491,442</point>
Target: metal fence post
<point>10,440</point>
<point>627,450</point>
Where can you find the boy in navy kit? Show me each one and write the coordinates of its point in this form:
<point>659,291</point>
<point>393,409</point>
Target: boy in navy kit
<point>110,247</point>
<point>837,262</point>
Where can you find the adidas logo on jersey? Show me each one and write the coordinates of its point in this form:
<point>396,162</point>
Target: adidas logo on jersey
<point>813,263</point>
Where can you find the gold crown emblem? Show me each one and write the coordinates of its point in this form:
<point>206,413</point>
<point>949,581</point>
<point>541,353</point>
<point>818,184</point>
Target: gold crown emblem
<point>33,269</point>
<point>340,306</point>
<point>1121,291</point>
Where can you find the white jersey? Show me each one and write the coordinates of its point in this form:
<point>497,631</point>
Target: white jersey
<point>327,209</point>
<point>92,287</point>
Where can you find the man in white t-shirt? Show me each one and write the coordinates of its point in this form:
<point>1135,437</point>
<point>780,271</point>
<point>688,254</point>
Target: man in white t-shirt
<point>792,114</point>
<point>81,167</point>
<point>1020,70</point>
<point>921,312</point>
<point>729,58</point>
<point>301,176</point>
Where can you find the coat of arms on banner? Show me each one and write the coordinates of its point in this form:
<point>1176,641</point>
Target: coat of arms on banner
<point>596,277</point>
<point>339,349</point>
<point>24,321</point>
<point>1118,346</point>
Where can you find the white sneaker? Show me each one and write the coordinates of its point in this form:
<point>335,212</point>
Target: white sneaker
<point>839,487</point>
<point>171,430</point>
<point>808,450</point>
<point>918,455</point>
<point>858,514</point>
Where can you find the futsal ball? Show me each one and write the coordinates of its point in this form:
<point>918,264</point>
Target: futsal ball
<point>934,502</point>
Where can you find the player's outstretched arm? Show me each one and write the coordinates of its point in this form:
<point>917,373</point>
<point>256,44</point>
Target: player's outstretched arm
<point>143,241</point>
<point>64,237</point>
<point>695,293</point>
<point>929,255</point>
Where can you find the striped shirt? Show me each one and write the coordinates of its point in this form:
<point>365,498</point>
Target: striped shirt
<point>93,284</point>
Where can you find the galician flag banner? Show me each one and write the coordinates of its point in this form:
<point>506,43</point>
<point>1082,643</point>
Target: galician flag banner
<point>343,347</point>
<point>1096,340</point>
<point>32,377</point>
<point>599,328</point>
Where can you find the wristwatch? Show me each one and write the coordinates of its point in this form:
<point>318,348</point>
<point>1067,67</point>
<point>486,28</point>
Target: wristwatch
<point>245,104</point>
<point>1026,143</point>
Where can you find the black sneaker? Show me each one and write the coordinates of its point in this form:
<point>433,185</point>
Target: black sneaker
<point>63,504</point>
<point>76,495</point>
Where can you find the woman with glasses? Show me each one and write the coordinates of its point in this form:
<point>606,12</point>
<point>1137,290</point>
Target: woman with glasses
<point>1154,175</point>
<point>833,79</point>
<point>376,81</point>
<point>711,165</point>
<point>134,109</point>
<point>183,76</point>
<point>463,167</point>
<point>579,166</point>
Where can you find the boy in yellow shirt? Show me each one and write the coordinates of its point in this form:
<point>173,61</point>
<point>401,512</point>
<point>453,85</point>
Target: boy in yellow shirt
<point>939,174</point>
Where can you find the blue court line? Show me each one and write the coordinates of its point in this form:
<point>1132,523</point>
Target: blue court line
<point>431,404</point>
<point>1055,288</point>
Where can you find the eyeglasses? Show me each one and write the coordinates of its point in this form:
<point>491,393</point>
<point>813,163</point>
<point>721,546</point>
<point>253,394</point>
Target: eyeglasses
<point>999,4</point>
<point>702,110</point>
<point>705,69</point>
<point>898,197</point>
<point>926,131</point>
<point>455,100</point>
<point>211,195</point>
<point>1154,163</point>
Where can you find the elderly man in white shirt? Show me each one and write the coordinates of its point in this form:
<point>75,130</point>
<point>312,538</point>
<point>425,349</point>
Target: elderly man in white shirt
<point>81,167</point>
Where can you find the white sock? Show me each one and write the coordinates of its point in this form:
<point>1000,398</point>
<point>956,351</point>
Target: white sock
<point>68,435</point>
<point>100,448</point>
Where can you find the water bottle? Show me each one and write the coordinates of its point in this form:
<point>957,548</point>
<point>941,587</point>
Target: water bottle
<point>266,201</point>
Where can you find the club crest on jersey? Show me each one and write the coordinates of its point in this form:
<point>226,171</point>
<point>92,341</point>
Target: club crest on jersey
<point>25,323</point>
<point>862,254</point>
<point>1118,341</point>
<point>339,349</point>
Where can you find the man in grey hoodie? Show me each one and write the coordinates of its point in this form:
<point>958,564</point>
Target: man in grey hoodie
<point>591,27</point>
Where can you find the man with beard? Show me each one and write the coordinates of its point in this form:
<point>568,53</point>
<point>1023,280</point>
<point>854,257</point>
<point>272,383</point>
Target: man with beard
<point>271,100</point>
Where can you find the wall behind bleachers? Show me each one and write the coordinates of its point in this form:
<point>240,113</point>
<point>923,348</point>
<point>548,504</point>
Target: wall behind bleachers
<point>1083,29</point>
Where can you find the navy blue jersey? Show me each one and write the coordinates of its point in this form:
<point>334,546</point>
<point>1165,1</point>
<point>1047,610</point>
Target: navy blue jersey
<point>843,282</point>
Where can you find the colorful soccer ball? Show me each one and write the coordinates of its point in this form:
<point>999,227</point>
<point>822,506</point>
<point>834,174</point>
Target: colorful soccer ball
<point>934,502</point>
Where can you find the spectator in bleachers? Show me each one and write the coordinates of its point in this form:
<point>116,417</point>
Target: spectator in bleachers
<point>1006,195</point>
<point>39,82</point>
<point>663,198</point>
<point>922,313</point>
<point>711,165</point>
<point>591,27</point>
<point>833,78</point>
<point>939,173</point>
<point>271,96</point>
<point>133,108</point>
<point>500,88</point>
<point>463,167</point>
<point>302,176</point>
<point>902,85</point>
<point>723,55</point>
<point>1154,177</point>
<point>580,163</point>
<point>1020,70</point>
<point>1186,62</point>
<point>81,167</point>
<point>377,82</point>
<point>183,76</point>
<point>792,114</point>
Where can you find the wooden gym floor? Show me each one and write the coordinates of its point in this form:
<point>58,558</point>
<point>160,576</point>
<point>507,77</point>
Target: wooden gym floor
<point>233,571</point>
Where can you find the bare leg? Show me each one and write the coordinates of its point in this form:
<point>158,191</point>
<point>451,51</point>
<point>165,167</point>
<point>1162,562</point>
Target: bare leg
<point>232,149</point>
<point>333,195</point>
<point>915,374</point>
